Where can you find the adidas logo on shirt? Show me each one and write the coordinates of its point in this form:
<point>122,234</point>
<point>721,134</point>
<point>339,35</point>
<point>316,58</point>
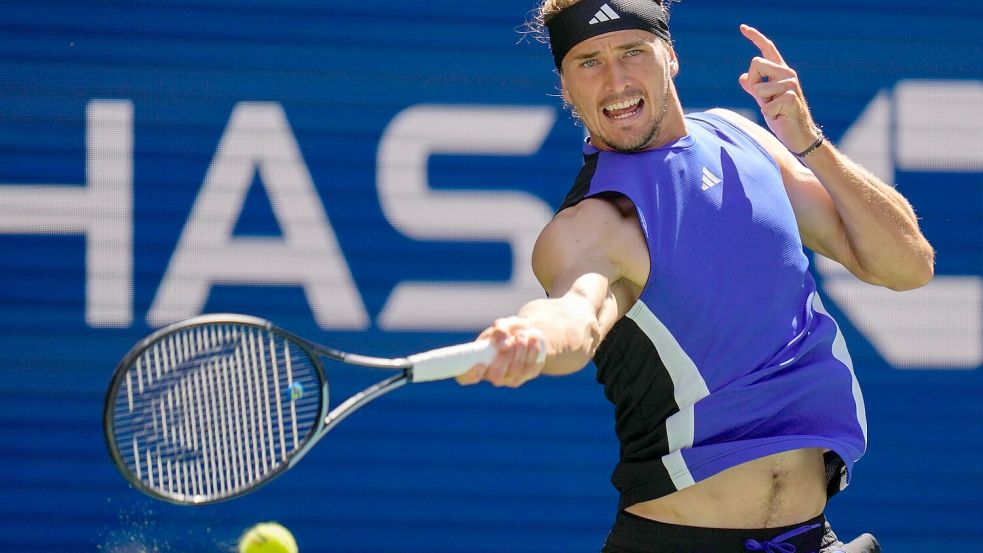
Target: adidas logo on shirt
<point>709,179</point>
<point>604,14</point>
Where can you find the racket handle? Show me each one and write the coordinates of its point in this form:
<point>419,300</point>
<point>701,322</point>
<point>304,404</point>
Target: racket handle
<point>443,363</point>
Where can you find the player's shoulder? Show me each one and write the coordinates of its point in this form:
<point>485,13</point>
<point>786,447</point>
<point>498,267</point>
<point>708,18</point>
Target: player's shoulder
<point>722,118</point>
<point>760,135</point>
<point>729,122</point>
<point>595,232</point>
<point>730,116</point>
<point>598,210</point>
<point>594,222</point>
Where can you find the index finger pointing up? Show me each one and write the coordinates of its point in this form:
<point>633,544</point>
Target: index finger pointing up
<point>768,49</point>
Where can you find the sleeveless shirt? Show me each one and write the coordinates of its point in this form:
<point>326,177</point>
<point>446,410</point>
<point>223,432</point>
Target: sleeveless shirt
<point>728,355</point>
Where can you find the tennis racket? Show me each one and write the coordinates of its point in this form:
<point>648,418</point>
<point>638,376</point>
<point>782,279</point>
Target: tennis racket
<point>213,407</point>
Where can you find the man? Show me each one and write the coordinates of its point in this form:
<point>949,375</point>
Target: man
<point>676,262</point>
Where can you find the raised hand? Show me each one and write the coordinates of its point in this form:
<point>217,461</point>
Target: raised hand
<point>775,87</point>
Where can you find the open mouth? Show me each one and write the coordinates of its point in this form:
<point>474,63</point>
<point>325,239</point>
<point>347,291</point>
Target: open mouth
<point>624,109</point>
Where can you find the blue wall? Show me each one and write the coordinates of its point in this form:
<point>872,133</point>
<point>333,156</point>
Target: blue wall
<point>156,86</point>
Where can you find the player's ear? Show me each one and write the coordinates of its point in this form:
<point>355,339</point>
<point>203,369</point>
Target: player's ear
<point>673,61</point>
<point>563,89</point>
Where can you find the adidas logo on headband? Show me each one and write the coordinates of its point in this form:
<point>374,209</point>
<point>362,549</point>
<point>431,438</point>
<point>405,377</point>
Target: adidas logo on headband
<point>604,14</point>
<point>581,21</point>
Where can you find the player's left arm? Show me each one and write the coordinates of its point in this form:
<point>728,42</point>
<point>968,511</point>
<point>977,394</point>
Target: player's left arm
<point>843,211</point>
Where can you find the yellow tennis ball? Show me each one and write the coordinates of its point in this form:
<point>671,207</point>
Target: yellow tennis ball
<point>267,537</point>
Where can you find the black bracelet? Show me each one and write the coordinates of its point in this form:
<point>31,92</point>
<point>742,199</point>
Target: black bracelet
<point>815,145</point>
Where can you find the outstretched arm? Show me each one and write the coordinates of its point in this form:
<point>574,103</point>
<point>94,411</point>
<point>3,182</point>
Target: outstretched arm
<point>843,211</point>
<point>586,260</point>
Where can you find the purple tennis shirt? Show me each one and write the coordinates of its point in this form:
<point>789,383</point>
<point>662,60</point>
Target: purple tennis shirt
<point>728,355</point>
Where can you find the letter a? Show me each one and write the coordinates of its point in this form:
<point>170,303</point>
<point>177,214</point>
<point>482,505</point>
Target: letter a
<point>258,138</point>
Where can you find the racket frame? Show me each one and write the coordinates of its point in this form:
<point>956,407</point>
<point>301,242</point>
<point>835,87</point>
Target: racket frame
<point>432,365</point>
<point>326,419</point>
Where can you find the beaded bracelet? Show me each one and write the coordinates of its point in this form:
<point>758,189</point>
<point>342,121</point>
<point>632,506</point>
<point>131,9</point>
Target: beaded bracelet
<point>815,145</point>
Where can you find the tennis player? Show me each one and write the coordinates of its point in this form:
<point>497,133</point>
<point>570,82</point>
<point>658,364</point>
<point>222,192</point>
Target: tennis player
<point>676,263</point>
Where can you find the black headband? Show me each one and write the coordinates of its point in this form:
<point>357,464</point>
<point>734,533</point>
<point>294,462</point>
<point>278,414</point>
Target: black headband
<point>589,18</point>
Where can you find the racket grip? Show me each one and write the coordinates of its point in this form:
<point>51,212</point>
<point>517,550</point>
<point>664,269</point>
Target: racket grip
<point>443,363</point>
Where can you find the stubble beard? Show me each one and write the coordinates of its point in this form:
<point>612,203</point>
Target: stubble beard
<point>647,138</point>
<point>637,145</point>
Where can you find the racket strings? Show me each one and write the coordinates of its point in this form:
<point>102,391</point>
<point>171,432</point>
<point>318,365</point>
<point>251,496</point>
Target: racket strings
<point>213,409</point>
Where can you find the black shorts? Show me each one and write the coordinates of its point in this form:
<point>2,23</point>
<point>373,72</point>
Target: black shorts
<point>634,534</point>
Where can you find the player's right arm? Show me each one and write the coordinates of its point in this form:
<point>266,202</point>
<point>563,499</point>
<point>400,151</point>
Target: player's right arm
<point>590,259</point>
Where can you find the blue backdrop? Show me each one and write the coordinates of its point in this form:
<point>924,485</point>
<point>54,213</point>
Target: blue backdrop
<point>157,157</point>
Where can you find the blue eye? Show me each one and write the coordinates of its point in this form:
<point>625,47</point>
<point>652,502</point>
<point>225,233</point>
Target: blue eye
<point>589,63</point>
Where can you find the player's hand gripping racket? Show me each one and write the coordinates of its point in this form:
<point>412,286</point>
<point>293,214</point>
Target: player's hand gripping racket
<point>214,407</point>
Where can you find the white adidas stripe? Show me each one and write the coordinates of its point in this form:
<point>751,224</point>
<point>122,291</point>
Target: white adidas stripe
<point>609,12</point>
<point>604,14</point>
<point>688,388</point>
<point>842,354</point>
<point>709,179</point>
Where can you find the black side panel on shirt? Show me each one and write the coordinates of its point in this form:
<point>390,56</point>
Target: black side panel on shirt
<point>582,185</point>
<point>636,381</point>
<point>835,473</point>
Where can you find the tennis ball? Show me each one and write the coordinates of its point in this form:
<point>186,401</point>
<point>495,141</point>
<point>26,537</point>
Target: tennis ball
<point>267,537</point>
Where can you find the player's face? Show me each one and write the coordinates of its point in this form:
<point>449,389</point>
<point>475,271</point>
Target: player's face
<point>619,84</point>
